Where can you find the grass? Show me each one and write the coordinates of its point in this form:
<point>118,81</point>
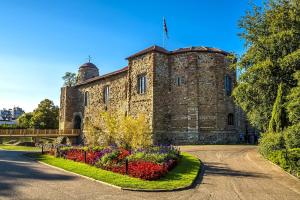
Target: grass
<point>183,175</point>
<point>19,148</point>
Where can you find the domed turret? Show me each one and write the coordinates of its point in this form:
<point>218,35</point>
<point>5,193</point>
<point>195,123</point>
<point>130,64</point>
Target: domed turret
<point>86,71</point>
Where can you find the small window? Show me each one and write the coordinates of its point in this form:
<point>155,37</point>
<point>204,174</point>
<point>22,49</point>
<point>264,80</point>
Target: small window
<point>230,119</point>
<point>106,94</point>
<point>86,98</point>
<point>178,81</point>
<point>142,84</point>
<point>228,85</point>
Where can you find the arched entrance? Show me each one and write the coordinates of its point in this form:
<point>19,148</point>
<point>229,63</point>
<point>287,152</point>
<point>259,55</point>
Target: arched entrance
<point>77,122</point>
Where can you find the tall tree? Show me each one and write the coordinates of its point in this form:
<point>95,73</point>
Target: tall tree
<point>45,115</point>
<point>278,121</point>
<point>272,41</point>
<point>69,79</point>
<point>293,105</point>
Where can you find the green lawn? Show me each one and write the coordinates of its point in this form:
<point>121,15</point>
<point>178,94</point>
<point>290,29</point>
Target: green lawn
<point>19,148</point>
<point>181,176</point>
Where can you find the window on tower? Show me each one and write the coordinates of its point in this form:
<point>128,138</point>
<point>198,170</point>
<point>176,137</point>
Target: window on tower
<point>141,84</point>
<point>228,85</point>
<point>86,98</point>
<point>230,119</point>
<point>106,94</point>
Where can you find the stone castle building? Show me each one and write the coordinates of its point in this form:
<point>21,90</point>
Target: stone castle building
<point>185,95</point>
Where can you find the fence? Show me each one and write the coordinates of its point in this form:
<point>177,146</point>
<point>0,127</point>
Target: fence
<point>38,132</point>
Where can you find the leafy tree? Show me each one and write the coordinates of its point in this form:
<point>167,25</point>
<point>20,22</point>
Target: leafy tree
<point>293,104</point>
<point>69,79</point>
<point>45,116</point>
<point>278,121</point>
<point>272,41</point>
<point>292,136</point>
<point>24,120</point>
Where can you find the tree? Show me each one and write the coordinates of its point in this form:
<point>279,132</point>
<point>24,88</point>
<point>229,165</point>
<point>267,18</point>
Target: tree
<point>293,104</point>
<point>24,120</point>
<point>272,41</point>
<point>278,121</point>
<point>69,79</point>
<point>45,116</point>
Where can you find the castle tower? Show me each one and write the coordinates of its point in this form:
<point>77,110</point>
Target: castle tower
<point>87,71</point>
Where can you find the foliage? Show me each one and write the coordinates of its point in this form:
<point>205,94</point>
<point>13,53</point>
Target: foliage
<point>292,136</point>
<point>270,142</point>
<point>183,175</point>
<point>272,39</point>
<point>24,120</point>
<point>45,116</point>
<point>108,129</point>
<point>293,104</point>
<point>69,79</point>
<point>278,121</point>
<point>289,160</point>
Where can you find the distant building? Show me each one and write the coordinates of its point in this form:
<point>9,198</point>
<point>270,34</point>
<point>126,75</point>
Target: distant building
<point>9,116</point>
<point>17,112</point>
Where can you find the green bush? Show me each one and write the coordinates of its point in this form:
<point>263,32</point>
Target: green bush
<point>156,158</point>
<point>292,136</point>
<point>279,157</point>
<point>270,142</point>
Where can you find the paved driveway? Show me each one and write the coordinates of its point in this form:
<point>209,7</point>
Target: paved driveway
<point>230,172</point>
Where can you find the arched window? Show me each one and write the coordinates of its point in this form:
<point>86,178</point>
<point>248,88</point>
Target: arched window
<point>86,98</point>
<point>230,119</point>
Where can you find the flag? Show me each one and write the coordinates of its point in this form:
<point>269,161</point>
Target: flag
<point>165,28</point>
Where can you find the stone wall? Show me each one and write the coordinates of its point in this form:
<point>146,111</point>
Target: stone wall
<point>69,104</point>
<point>141,103</point>
<point>196,110</point>
<point>116,104</point>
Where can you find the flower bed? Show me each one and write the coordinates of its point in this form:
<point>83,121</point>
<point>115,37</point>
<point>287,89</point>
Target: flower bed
<point>148,164</point>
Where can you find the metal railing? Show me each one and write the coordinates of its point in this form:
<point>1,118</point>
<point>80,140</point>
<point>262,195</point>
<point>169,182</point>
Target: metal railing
<point>38,132</point>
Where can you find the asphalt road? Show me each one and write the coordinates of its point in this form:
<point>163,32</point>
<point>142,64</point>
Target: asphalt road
<point>230,172</point>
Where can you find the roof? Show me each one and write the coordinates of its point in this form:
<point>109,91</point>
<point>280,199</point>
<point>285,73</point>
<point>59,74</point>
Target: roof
<point>180,50</point>
<point>199,49</point>
<point>124,69</point>
<point>152,48</point>
<point>88,64</point>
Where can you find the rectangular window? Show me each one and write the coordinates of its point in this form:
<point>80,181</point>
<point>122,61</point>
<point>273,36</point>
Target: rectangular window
<point>86,98</point>
<point>142,84</point>
<point>106,94</point>
<point>228,85</point>
<point>179,81</point>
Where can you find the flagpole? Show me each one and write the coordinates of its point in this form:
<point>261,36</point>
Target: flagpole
<point>163,29</point>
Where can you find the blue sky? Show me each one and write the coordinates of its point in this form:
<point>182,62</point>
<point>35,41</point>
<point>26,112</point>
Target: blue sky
<point>41,40</point>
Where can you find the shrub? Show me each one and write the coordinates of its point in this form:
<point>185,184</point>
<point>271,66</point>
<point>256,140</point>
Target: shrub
<point>270,142</point>
<point>292,136</point>
<point>107,129</point>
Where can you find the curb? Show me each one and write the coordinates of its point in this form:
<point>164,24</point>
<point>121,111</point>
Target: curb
<point>82,176</point>
<point>200,172</point>
<point>192,185</point>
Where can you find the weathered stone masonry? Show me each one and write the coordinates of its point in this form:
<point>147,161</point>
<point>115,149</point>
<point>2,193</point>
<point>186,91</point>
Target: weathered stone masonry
<point>185,100</point>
